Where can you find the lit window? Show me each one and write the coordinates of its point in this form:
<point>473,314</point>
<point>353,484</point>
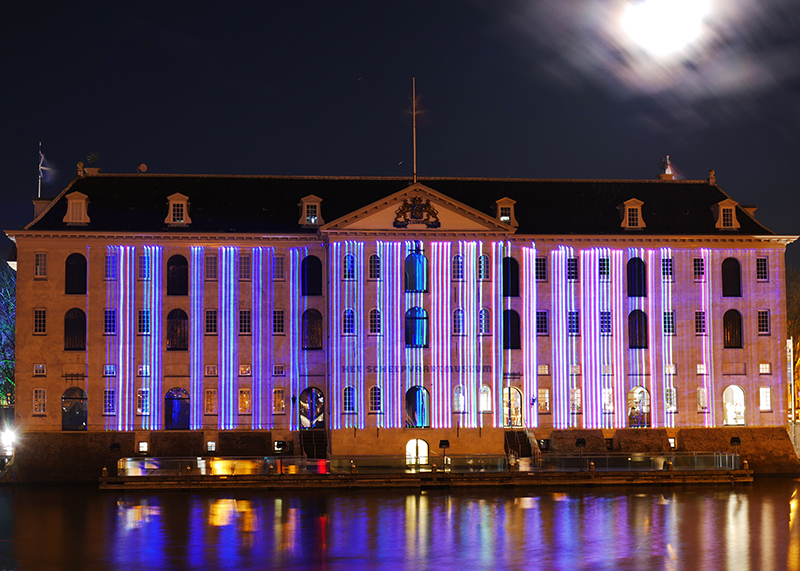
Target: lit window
<point>143,371</point>
<point>245,370</point>
<point>374,322</point>
<point>699,322</point>
<point>211,269</point>
<point>279,370</point>
<point>543,401</point>
<point>349,267</point>
<point>109,402</point>
<point>484,272</point>
<point>699,269</point>
<point>608,400</point>
<point>374,267</point>
<point>278,401</point>
<point>110,322</point>
<point>763,322</point>
<point>278,322</point>
<point>543,370</point>
<point>245,322</point>
<point>311,213</point>
<point>575,369</point>
<point>701,369</point>
<point>39,321</point>
<point>459,399</point>
<point>540,269</point>
<point>210,402</point>
<point>143,402</point>
<point>764,368</point>
<point>211,370</point>
<point>669,323</point>
<point>604,269</point>
<point>39,370</point>
<point>572,269</point>
<point>458,322</point>
<point>671,399</point>
<point>573,323</point>
<point>458,268</point>
<point>349,322</point>
<point>484,322</point>
<point>576,402</point>
<point>667,270</point>
<point>40,265</point>
<point>607,369</point>
<point>505,214</point>
<point>39,401</point>
<point>670,369</point>
<point>762,269</point>
<point>211,322</point>
<point>702,400</point>
<point>541,323</point>
<point>143,322</point>
<point>143,272</point>
<point>486,399</point>
<point>245,401</point>
<point>375,399</point>
<point>764,399</point>
<point>278,268</point>
<point>109,370</point>
<point>245,268</point>
<point>605,323</point>
<point>111,267</point>
<point>349,400</point>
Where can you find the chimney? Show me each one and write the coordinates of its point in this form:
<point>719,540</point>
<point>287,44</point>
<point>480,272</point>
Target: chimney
<point>39,206</point>
<point>667,166</point>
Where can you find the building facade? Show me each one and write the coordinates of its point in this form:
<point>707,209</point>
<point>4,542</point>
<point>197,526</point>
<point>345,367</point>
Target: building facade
<point>389,313</point>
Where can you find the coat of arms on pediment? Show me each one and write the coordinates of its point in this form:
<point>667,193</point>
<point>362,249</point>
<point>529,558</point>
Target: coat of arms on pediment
<point>415,211</point>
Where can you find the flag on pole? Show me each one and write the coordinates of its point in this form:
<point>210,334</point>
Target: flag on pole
<point>46,172</point>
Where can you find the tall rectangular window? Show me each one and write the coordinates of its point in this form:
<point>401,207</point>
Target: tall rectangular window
<point>727,217</point>
<point>143,402</point>
<point>573,323</point>
<point>143,270</point>
<point>374,322</point>
<point>669,323</point>
<point>211,270</point>
<point>605,323</point>
<point>110,322</point>
<point>543,401</point>
<point>111,267</point>
<point>671,399</point>
<point>278,401</point>
<point>762,269</point>
<point>541,323</point>
<point>278,268</point>
<point>572,269</point>
<point>764,399</point>
<point>40,265</point>
<point>245,323</point>
<point>109,402</point>
<point>211,322</point>
<point>604,269</point>
<point>177,212</point>
<point>608,400</point>
<point>576,402</point>
<point>349,267</point>
<point>484,270</point>
<point>39,401</point>
<point>374,267</point>
<point>763,322</point>
<point>39,321</point>
<point>210,401</point>
<point>278,322</point>
<point>699,269</point>
<point>699,322</point>
<point>348,322</point>
<point>143,322</point>
<point>245,401</point>
<point>540,269</point>
<point>667,270</point>
<point>702,400</point>
<point>633,217</point>
<point>311,213</point>
<point>245,268</point>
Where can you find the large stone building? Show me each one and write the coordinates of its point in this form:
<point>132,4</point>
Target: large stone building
<point>205,313</point>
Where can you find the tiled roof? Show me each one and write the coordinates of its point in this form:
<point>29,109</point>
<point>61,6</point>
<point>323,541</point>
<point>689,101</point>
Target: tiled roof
<point>269,204</point>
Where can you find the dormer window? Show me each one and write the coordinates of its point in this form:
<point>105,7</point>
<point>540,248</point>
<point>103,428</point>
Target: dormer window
<point>725,215</point>
<point>631,211</point>
<point>505,211</point>
<point>77,215</point>
<point>178,212</point>
<point>310,211</point>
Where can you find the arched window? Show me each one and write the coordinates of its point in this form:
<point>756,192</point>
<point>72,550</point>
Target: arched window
<point>311,276</point>
<point>177,275</point>
<point>484,322</point>
<point>510,277</point>
<point>375,399</point>
<point>74,409</point>
<point>483,267</point>
<point>637,278</point>
<point>458,267</point>
<point>374,322</point>
<point>416,272</point>
<point>349,322</point>
<point>75,330</point>
<point>731,278</point>
<point>177,330</point>
<point>75,274</point>
<point>176,409</point>
<point>458,322</point>
<point>374,267</point>
<point>349,399</point>
<point>637,329</point>
<point>486,399</point>
<point>418,412</point>
<point>511,338</point>
<point>732,326</point>
<point>416,327</point>
<point>349,267</point>
<point>459,399</point>
<point>312,329</point>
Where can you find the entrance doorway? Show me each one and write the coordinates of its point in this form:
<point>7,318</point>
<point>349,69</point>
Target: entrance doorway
<point>176,409</point>
<point>733,401</point>
<point>417,453</point>
<point>418,414</point>
<point>638,408</point>
<point>74,412</point>
<point>312,408</point>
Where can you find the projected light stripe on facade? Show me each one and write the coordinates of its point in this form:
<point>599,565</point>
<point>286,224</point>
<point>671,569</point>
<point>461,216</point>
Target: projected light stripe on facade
<point>530,358</point>
<point>707,339</point>
<point>261,340</point>
<point>228,313</point>
<point>666,320</point>
<point>470,343</point>
<point>197,337</point>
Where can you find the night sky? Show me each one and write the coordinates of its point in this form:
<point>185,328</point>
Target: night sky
<point>533,89</point>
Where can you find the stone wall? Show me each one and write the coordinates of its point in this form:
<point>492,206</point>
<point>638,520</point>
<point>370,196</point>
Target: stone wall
<point>768,450</point>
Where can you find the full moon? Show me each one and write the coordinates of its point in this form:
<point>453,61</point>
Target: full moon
<point>665,27</point>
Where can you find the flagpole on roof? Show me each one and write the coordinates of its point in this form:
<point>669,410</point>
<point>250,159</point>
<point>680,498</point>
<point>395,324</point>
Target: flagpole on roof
<point>414,122</point>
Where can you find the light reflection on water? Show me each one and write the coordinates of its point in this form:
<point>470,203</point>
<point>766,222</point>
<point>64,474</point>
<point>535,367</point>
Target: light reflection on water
<point>694,527</point>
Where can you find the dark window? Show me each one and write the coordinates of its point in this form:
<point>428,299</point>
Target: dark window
<point>637,329</point>
<point>177,330</point>
<point>312,329</point>
<point>177,276</point>
<point>75,330</point>
<point>511,338</point>
<point>731,278</point>
<point>311,276</point>
<point>637,278</point>
<point>176,409</point>
<point>74,410</point>
<point>572,269</point>
<point>416,272</point>
<point>75,275</point>
<point>416,327</point>
<point>510,277</point>
<point>732,325</point>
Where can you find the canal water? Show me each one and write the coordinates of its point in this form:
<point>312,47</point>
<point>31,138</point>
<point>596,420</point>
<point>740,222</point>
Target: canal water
<point>689,527</point>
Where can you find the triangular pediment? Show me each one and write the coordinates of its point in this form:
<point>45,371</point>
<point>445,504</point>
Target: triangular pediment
<point>417,208</point>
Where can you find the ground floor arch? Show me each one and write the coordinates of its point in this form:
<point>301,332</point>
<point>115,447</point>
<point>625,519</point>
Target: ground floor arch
<point>512,407</point>
<point>417,453</point>
<point>74,409</point>
<point>639,408</point>
<point>312,408</point>
<point>418,409</point>
<point>176,409</point>
<point>734,406</point>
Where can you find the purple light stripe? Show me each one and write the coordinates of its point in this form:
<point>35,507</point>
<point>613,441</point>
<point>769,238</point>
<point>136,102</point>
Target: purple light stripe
<point>530,357</point>
<point>197,336</point>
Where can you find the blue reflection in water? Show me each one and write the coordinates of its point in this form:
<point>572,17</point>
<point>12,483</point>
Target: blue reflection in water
<point>752,527</point>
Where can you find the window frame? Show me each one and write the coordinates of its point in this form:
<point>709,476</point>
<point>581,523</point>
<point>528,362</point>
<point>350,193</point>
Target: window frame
<point>210,322</point>
<point>40,265</point>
